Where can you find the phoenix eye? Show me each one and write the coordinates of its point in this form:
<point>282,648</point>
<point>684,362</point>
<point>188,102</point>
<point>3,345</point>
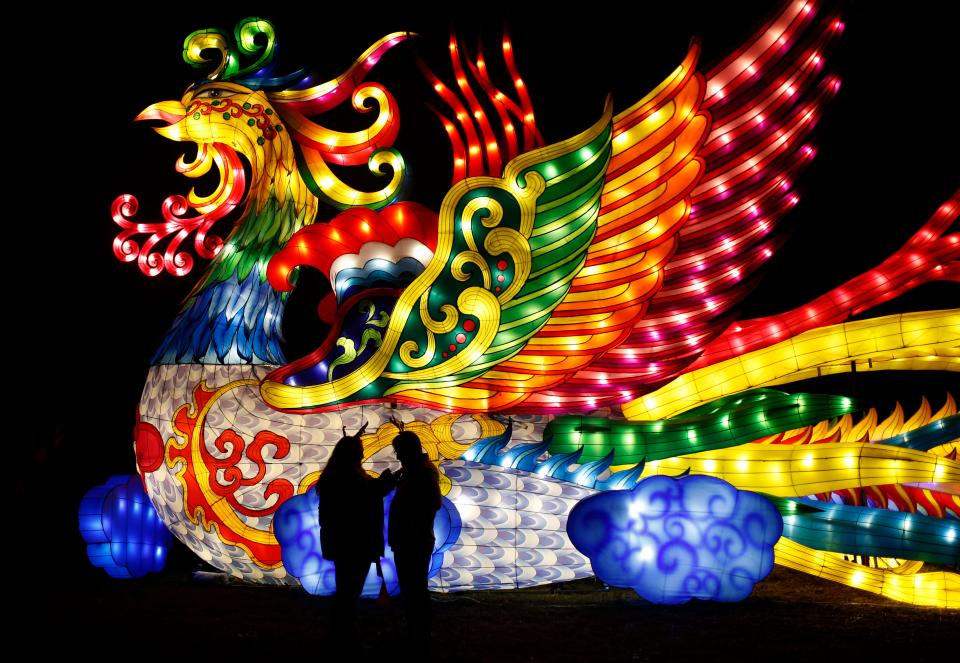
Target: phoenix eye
<point>211,93</point>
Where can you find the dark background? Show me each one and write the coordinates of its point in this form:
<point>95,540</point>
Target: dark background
<point>887,150</point>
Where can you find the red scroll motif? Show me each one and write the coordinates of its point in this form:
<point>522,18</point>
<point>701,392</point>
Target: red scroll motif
<point>211,483</point>
<point>207,245</point>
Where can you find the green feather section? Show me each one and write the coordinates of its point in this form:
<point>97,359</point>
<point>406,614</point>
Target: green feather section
<point>731,424</point>
<point>254,239</point>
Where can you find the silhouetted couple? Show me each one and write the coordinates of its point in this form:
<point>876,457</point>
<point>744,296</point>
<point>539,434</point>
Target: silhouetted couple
<point>351,531</point>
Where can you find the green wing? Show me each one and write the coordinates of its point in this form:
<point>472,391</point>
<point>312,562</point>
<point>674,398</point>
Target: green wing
<point>508,249</point>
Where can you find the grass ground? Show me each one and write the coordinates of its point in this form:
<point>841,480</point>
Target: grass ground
<point>790,616</point>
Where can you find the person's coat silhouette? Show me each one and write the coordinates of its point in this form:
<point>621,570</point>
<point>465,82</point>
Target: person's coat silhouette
<point>410,532</point>
<point>351,528</point>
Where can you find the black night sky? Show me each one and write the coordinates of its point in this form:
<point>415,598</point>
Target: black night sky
<point>887,150</point>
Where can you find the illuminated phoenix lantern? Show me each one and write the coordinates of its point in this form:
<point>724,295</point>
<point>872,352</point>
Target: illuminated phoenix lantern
<point>600,271</point>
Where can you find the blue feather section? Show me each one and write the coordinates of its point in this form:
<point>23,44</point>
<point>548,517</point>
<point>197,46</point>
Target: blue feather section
<point>623,480</point>
<point>586,474</point>
<point>563,466</point>
<point>558,465</point>
<point>929,436</point>
<point>231,322</point>
<point>265,80</point>
<point>487,450</point>
<point>866,531</point>
<point>524,456</point>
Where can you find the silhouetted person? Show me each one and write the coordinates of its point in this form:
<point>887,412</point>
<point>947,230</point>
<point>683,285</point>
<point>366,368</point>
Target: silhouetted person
<point>410,533</point>
<point>351,530</point>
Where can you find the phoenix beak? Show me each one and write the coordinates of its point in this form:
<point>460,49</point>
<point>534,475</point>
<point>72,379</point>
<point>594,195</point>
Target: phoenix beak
<point>170,112</point>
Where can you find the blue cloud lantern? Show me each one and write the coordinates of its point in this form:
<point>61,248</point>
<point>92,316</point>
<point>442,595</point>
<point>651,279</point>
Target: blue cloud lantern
<point>124,534</point>
<point>672,540</point>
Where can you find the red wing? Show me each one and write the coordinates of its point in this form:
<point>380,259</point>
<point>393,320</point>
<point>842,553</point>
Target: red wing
<point>764,101</point>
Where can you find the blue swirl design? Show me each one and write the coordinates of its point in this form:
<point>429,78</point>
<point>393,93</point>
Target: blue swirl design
<point>927,437</point>
<point>672,540</point>
<point>297,528</point>
<point>124,535</point>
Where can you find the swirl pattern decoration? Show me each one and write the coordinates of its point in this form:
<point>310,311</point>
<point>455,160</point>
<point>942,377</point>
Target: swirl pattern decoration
<point>672,540</point>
